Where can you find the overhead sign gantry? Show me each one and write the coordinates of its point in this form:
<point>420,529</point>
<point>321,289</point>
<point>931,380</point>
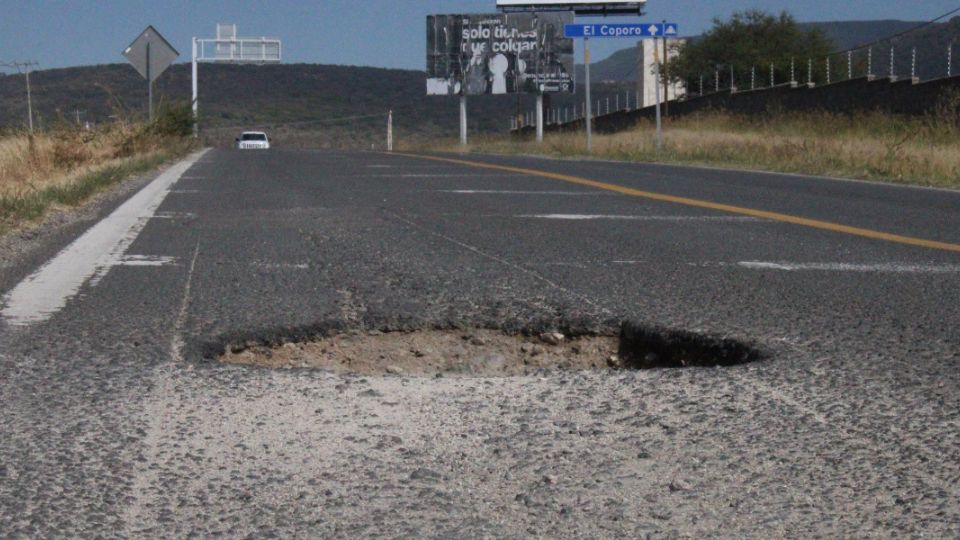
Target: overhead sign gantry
<point>227,48</point>
<point>580,7</point>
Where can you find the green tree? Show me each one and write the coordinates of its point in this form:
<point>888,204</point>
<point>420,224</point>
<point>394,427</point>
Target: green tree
<point>750,39</point>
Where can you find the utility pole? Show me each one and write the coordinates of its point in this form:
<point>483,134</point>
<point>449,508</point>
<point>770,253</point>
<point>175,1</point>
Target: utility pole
<point>24,67</point>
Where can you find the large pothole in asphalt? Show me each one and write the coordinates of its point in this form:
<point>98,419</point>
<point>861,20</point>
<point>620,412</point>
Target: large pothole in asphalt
<point>486,352</point>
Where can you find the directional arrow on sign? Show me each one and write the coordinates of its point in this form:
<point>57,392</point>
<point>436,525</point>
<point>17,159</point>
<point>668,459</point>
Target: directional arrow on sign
<point>654,29</point>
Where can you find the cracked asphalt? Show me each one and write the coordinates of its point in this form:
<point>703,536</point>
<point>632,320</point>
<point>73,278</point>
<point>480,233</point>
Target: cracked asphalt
<point>116,421</point>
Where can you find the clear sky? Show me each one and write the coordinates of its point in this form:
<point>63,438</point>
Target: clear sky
<point>384,33</point>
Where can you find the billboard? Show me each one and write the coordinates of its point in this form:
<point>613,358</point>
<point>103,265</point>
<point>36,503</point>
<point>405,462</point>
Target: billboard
<point>583,7</point>
<point>499,53</point>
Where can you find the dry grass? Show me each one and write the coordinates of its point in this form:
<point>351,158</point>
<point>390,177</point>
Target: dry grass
<point>66,166</point>
<point>922,151</point>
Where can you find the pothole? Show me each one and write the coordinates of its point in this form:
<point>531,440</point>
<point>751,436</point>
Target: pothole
<point>494,353</point>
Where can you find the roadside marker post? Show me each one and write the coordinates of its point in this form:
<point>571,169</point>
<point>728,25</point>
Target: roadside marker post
<point>390,131</point>
<point>463,121</point>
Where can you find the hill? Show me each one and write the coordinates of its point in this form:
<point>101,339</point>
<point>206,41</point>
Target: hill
<point>342,105</point>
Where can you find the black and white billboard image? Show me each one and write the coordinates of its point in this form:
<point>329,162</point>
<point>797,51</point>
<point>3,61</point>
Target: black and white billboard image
<point>500,53</point>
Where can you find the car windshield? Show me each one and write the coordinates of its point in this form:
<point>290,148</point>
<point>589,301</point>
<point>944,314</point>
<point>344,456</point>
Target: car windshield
<point>253,137</point>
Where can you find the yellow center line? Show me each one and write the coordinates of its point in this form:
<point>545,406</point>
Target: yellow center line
<point>774,216</point>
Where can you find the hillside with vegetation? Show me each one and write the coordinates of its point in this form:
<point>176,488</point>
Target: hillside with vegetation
<point>329,105</point>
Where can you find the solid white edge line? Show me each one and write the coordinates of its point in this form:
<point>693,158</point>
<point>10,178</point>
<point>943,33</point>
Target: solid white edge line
<point>47,290</point>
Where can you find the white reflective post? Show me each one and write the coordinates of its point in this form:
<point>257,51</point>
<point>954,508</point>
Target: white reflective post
<point>390,131</point>
<point>193,84</point>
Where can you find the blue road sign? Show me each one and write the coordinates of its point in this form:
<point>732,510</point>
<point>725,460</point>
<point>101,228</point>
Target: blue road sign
<point>637,30</point>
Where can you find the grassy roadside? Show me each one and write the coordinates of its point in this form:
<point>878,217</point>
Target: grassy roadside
<point>67,166</point>
<point>922,151</point>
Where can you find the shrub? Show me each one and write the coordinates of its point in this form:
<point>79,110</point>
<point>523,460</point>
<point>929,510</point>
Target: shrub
<point>174,120</point>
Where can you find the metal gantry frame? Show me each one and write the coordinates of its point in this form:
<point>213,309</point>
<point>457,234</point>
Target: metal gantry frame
<point>229,49</point>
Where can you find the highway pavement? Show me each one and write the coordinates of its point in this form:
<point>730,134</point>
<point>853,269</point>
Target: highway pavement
<point>117,421</point>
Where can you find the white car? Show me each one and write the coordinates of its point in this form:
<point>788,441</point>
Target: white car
<point>253,140</point>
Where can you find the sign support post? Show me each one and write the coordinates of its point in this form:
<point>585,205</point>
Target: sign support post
<point>149,85</point>
<point>656,74</point>
<point>589,120</point>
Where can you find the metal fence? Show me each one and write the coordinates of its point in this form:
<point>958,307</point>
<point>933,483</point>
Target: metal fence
<point>870,62</point>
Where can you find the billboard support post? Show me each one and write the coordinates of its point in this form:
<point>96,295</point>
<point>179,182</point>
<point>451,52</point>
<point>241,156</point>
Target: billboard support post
<point>463,121</point>
<point>540,117</point>
<point>586,64</point>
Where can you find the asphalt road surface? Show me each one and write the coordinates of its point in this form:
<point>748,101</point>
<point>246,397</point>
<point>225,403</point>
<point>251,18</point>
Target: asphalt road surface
<point>117,423</point>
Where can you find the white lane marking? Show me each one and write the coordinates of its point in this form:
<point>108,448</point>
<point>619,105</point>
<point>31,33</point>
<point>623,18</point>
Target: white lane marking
<point>184,191</point>
<point>146,260</point>
<point>280,266</point>
<point>640,218</point>
<point>174,215</point>
<point>438,175</point>
<point>887,268</point>
<point>47,290</point>
<point>509,192</point>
